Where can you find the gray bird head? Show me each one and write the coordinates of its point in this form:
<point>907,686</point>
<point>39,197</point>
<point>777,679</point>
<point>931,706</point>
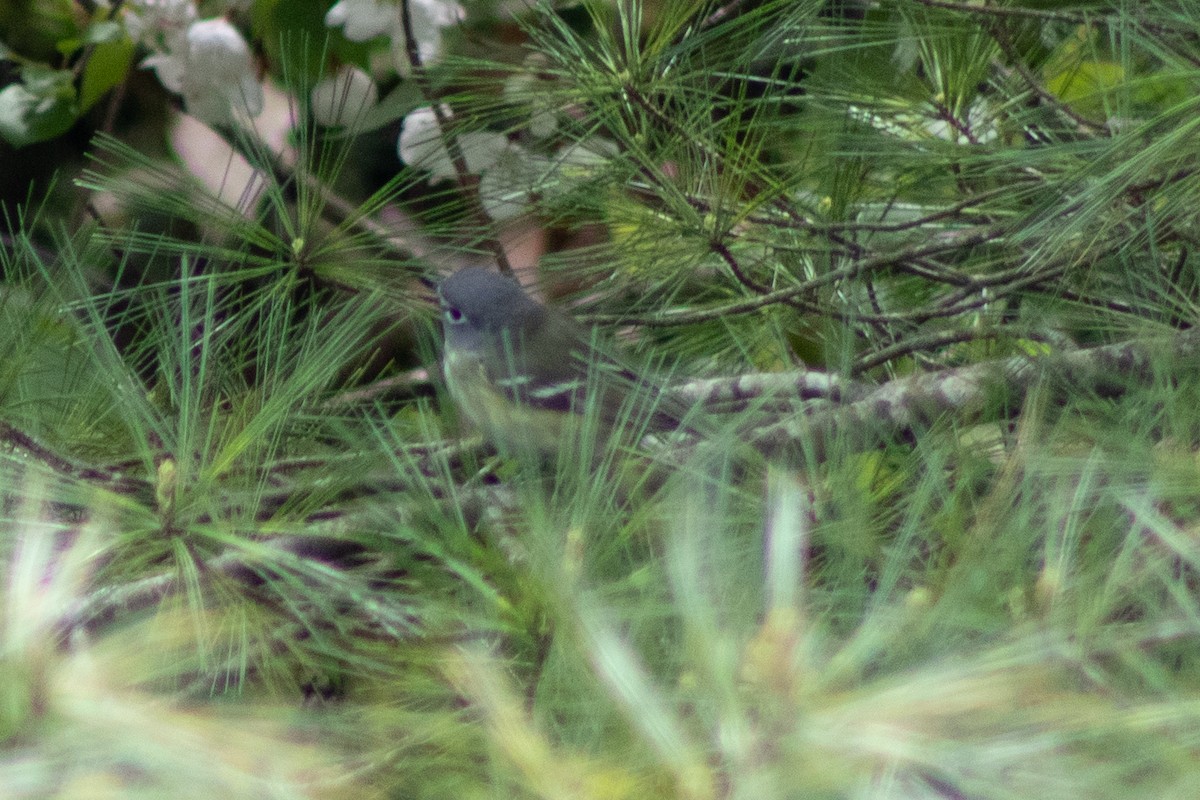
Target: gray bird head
<point>479,304</point>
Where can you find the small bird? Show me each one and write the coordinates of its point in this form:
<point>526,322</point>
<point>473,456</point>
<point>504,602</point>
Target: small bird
<point>518,369</point>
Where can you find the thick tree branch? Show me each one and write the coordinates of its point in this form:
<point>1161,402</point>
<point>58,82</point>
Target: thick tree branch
<point>900,407</point>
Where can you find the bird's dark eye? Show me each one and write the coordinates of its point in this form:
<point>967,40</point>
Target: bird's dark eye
<point>454,315</point>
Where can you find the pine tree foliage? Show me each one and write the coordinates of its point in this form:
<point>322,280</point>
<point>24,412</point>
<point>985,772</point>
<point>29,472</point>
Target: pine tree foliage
<point>926,269</point>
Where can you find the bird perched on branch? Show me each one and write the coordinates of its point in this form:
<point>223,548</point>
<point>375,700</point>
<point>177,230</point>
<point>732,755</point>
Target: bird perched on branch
<point>519,370</point>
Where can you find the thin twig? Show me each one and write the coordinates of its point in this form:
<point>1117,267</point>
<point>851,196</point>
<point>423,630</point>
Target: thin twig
<point>721,13</point>
<point>24,447</point>
<point>1084,125</point>
<point>931,341</point>
<point>946,115</point>
<point>458,159</point>
<point>90,49</point>
<point>668,319</point>
<point>1023,12</point>
<point>1010,11</point>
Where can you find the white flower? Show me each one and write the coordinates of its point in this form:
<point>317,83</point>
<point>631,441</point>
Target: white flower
<point>420,142</point>
<point>574,164</point>
<point>506,170</point>
<point>428,19</point>
<point>979,127</point>
<point>436,13</point>
<point>529,90</point>
<point>362,20</point>
<point>421,146</point>
<point>509,175</point>
<point>159,24</point>
<point>342,98</point>
<point>980,124</point>
<point>588,154</point>
<point>543,123</point>
<point>506,187</point>
<point>212,69</point>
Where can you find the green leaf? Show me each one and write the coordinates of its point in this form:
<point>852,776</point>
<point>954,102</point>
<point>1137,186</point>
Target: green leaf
<point>33,28</point>
<point>1086,82</point>
<point>66,47</point>
<point>44,81</point>
<point>108,66</point>
<point>293,34</point>
<point>1164,89</point>
<point>40,108</point>
<point>104,32</point>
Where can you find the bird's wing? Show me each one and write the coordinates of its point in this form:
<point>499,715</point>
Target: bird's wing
<point>591,376</point>
<point>556,385</point>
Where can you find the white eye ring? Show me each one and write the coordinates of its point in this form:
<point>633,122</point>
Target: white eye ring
<point>454,316</point>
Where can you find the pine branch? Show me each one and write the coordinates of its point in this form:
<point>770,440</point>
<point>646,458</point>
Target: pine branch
<point>847,416</point>
<point>900,408</point>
